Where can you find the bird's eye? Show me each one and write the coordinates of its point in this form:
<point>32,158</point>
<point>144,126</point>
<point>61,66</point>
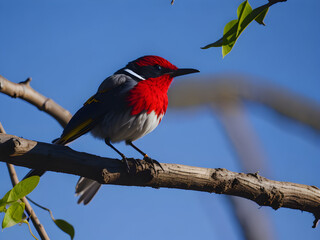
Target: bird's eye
<point>158,67</point>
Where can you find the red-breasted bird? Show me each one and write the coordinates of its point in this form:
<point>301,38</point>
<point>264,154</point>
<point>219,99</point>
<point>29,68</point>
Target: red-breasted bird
<point>127,106</point>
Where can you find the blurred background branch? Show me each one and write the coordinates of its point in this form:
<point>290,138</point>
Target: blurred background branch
<point>246,145</point>
<point>227,96</point>
<point>225,89</point>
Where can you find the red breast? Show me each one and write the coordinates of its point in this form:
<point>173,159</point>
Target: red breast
<point>150,95</point>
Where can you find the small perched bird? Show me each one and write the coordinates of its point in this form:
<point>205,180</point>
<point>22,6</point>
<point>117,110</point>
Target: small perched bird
<point>127,106</point>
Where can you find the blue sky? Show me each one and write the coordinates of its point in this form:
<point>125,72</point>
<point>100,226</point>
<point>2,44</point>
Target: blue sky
<point>69,47</point>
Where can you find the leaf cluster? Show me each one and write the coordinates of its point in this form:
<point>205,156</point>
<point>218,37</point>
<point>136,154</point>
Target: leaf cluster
<point>11,204</point>
<point>13,208</point>
<point>234,28</point>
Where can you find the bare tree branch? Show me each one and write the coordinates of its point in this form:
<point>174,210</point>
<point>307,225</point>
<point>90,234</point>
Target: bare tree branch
<point>243,138</point>
<point>24,91</point>
<point>261,190</point>
<point>35,220</point>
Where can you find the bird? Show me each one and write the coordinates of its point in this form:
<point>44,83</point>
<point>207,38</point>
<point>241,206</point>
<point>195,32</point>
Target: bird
<point>127,105</point>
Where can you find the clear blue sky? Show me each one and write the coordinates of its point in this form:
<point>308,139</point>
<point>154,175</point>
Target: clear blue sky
<point>69,47</point>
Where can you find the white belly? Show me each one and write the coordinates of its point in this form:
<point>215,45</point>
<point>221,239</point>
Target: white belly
<point>125,127</point>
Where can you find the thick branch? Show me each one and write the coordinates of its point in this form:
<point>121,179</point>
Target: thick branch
<point>24,91</point>
<point>261,190</point>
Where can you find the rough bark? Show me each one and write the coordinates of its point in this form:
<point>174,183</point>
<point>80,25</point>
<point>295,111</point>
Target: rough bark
<point>263,191</point>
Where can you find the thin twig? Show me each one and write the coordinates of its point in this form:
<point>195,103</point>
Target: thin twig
<point>276,1</point>
<point>42,207</point>
<point>35,220</point>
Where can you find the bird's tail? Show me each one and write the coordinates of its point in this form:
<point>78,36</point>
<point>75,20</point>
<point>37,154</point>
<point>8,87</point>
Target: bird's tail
<point>86,189</point>
<point>36,172</point>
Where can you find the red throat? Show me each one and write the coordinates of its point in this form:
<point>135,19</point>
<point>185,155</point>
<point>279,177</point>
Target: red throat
<point>150,95</point>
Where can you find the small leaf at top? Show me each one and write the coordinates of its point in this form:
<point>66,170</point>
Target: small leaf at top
<point>252,16</point>
<point>234,28</point>
<point>65,226</point>
<point>13,215</point>
<point>229,31</point>
<point>241,8</point>
<point>241,26</point>
<point>243,11</point>
<point>229,36</point>
<point>260,18</point>
<point>215,44</point>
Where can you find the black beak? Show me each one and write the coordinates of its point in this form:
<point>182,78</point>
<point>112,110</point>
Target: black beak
<point>183,71</point>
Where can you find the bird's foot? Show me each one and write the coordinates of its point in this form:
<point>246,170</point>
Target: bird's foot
<point>135,161</point>
<point>152,162</point>
<point>126,164</point>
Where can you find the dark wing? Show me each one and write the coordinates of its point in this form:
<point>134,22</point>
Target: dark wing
<point>109,96</point>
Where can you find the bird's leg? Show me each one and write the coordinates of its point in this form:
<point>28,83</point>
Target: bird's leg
<point>146,157</point>
<point>124,158</point>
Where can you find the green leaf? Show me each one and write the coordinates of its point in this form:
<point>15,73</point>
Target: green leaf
<point>234,28</point>
<point>260,18</point>
<point>250,17</point>
<point>19,191</point>
<point>243,11</point>
<point>229,36</point>
<point>245,21</point>
<point>4,202</point>
<point>215,44</point>
<point>2,208</point>
<point>13,215</point>
<point>65,226</point>
<point>22,189</point>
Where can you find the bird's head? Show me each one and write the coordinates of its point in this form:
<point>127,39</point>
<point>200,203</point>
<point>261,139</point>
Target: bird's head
<point>153,66</point>
<point>154,76</point>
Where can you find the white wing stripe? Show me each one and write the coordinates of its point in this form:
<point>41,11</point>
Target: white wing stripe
<point>133,73</point>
